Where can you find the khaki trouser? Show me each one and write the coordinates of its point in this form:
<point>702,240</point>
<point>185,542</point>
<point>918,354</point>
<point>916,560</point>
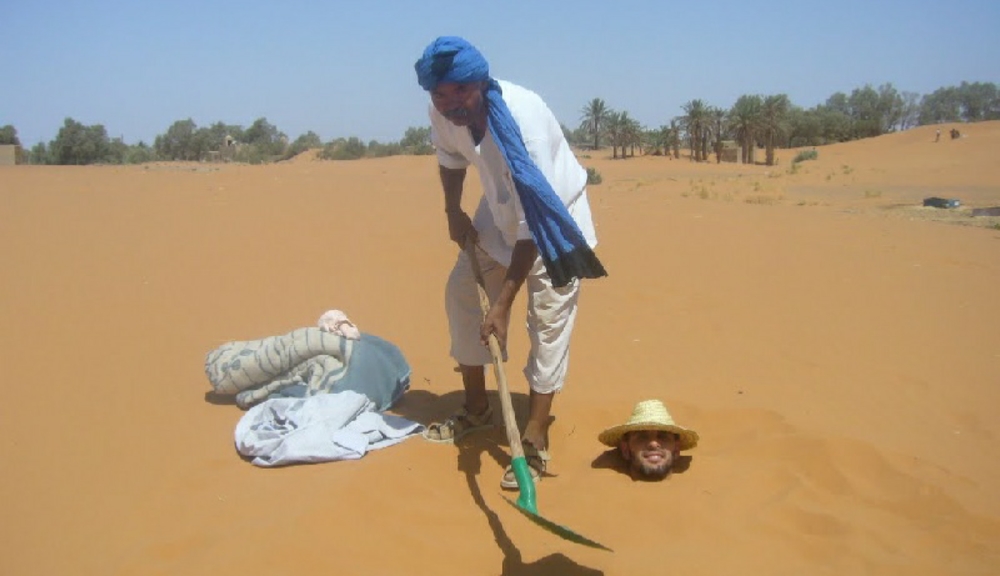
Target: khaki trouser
<point>551,314</point>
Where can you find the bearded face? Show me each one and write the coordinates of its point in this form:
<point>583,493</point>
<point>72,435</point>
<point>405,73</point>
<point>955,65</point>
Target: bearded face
<point>461,104</point>
<point>650,453</point>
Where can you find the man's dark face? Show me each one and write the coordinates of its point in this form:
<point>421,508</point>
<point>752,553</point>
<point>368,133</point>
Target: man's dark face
<point>650,453</point>
<point>461,104</point>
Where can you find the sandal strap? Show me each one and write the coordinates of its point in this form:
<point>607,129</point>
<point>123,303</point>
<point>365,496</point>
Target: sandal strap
<point>460,421</point>
<point>475,419</point>
<point>531,452</point>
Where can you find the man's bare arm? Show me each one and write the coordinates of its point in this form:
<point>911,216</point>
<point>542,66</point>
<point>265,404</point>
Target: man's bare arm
<point>452,181</point>
<point>460,228</point>
<point>498,318</point>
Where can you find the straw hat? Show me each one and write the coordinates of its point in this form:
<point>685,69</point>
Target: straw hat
<point>649,415</point>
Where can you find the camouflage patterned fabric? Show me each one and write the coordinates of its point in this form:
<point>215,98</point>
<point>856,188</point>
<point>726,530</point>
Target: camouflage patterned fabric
<point>253,370</point>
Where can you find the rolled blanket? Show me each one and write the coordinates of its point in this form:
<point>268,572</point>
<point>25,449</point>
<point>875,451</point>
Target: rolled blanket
<point>306,362</point>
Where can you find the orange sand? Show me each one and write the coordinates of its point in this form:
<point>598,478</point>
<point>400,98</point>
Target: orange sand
<point>837,349</point>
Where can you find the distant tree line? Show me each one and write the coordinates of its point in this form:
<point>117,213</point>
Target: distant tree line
<point>772,122</point>
<point>753,122</point>
<point>78,144</point>
<point>416,141</point>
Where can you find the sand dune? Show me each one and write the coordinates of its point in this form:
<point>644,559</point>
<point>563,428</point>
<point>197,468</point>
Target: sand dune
<point>836,345</point>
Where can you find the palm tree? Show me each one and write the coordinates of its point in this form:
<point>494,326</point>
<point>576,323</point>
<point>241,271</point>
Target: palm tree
<point>774,122</point>
<point>631,134</point>
<point>744,119</point>
<point>717,119</point>
<point>695,120</point>
<point>624,132</point>
<point>595,116</point>
<point>614,127</point>
<point>675,139</point>
<point>706,134</point>
<point>659,139</point>
<point>638,130</point>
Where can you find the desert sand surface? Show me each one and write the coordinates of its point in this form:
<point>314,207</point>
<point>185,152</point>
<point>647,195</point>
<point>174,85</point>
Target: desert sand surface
<point>835,344</point>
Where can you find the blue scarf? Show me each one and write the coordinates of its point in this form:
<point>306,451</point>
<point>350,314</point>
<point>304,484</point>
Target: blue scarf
<point>561,244</point>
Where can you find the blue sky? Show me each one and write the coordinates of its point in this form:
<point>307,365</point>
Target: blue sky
<point>346,68</point>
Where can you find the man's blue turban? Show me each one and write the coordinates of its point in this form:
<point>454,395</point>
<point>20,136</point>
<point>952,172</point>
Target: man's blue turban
<point>560,243</point>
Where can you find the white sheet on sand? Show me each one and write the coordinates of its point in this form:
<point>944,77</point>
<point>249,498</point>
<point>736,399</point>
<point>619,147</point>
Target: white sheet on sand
<point>337,426</point>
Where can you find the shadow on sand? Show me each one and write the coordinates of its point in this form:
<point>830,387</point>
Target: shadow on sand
<point>423,406</point>
<point>220,399</point>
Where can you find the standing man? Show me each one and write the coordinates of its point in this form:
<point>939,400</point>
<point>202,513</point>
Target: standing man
<point>533,227</point>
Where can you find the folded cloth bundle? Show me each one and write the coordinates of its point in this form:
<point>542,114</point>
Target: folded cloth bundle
<point>307,362</point>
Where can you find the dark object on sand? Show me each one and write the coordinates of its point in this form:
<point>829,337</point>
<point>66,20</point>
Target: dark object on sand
<point>991,211</point>
<point>936,202</point>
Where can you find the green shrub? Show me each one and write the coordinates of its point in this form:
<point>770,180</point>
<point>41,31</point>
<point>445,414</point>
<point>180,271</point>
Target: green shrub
<point>350,149</point>
<point>253,154</point>
<point>806,155</point>
<point>593,176</point>
<point>378,150</point>
<point>419,150</point>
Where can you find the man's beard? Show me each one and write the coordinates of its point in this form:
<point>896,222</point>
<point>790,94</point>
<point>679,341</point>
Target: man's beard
<point>460,114</point>
<point>650,471</point>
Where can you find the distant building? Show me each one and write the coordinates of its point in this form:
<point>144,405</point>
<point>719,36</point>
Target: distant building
<point>8,154</point>
<point>228,151</point>
<point>730,151</point>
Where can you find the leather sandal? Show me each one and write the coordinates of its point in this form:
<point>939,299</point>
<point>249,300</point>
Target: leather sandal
<point>458,425</point>
<point>538,463</point>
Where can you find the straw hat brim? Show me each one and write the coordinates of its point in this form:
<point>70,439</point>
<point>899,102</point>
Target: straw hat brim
<point>612,436</point>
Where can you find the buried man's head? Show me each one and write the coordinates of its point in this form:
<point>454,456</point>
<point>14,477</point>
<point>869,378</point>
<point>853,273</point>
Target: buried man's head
<point>649,442</point>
